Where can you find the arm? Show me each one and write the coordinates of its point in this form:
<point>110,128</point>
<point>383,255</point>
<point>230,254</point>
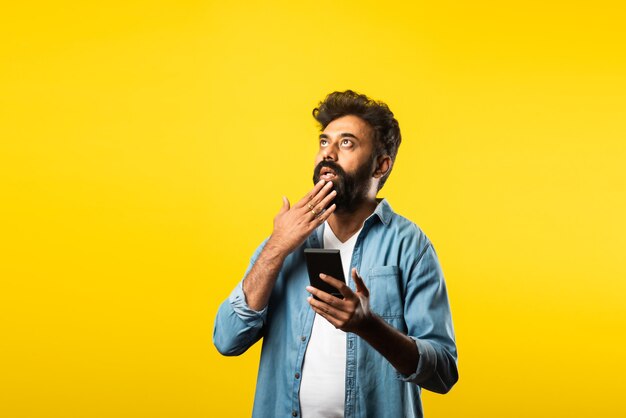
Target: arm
<point>352,314</point>
<point>427,356</point>
<point>240,319</point>
<point>291,227</point>
<point>429,322</point>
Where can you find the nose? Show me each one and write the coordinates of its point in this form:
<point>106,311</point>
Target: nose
<point>329,153</point>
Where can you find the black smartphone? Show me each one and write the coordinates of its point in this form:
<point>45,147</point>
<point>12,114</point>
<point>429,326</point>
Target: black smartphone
<point>324,261</point>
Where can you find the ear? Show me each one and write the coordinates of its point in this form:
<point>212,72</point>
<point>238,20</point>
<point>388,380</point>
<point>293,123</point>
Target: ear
<point>383,165</point>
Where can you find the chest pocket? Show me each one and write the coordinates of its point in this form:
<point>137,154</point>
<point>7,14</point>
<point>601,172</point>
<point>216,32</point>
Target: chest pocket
<point>386,294</point>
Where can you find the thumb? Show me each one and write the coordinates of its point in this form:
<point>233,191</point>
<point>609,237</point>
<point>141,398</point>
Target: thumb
<point>360,285</point>
<point>285,206</point>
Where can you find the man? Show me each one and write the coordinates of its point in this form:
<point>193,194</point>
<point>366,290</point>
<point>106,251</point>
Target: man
<point>369,353</point>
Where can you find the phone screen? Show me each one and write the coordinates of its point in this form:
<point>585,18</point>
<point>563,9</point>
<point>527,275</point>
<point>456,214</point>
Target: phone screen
<point>324,261</point>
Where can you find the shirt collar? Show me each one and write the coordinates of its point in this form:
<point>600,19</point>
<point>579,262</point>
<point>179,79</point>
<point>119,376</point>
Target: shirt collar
<point>383,211</point>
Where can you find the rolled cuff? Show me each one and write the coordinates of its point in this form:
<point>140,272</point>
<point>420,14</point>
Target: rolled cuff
<point>426,364</point>
<point>251,317</point>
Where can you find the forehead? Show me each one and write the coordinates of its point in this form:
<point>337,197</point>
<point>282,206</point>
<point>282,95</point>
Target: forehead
<point>352,125</point>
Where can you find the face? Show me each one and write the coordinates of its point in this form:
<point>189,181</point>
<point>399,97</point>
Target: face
<point>346,157</point>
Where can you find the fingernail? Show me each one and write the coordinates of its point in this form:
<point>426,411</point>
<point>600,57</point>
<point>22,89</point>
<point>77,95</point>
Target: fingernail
<point>322,275</point>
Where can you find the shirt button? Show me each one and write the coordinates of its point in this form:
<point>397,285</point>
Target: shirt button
<point>303,338</point>
<point>297,375</point>
<point>294,413</point>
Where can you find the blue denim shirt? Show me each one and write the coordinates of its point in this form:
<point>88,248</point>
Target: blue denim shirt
<point>407,289</point>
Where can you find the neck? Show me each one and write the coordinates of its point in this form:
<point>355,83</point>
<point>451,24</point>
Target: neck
<point>345,224</point>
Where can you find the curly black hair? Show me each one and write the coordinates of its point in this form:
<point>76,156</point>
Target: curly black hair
<point>387,135</point>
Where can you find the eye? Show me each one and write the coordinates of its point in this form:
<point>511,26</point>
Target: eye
<point>323,142</point>
<point>346,143</point>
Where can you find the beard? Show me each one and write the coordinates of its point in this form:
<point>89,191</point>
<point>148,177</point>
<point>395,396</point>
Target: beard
<point>352,189</point>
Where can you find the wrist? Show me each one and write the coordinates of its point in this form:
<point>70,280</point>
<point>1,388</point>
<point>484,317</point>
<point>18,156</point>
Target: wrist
<point>278,246</point>
<point>275,248</point>
<point>369,327</point>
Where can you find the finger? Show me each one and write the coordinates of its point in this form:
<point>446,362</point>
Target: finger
<point>325,215</point>
<point>317,210</point>
<point>319,196</point>
<point>333,321</point>
<point>285,206</point>
<point>324,297</point>
<point>338,284</point>
<point>312,212</point>
<point>326,201</point>
<point>360,284</point>
<point>310,195</point>
<point>331,314</point>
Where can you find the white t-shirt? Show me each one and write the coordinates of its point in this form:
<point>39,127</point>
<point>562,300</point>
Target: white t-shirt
<point>323,386</point>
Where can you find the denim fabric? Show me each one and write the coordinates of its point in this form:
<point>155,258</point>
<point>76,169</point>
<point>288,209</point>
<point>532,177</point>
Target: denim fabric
<point>407,289</point>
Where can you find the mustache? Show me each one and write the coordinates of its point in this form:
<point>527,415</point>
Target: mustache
<point>328,164</point>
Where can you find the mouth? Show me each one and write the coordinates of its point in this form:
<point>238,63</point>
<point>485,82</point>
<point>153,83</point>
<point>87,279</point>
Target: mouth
<point>327,174</point>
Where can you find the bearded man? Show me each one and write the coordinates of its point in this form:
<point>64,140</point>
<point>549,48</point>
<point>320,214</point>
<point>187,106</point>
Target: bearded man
<point>369,353</point>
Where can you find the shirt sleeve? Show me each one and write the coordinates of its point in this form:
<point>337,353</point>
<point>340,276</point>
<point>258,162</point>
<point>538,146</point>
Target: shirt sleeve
<point>237,326</point>
<point>429,324</point>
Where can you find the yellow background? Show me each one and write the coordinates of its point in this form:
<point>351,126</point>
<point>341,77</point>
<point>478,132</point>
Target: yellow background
<point>145,147</point>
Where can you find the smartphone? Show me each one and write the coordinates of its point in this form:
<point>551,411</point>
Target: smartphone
<point>324,261</point>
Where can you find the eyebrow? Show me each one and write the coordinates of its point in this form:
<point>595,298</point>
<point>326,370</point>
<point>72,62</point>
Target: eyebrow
<point>342,135</point>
